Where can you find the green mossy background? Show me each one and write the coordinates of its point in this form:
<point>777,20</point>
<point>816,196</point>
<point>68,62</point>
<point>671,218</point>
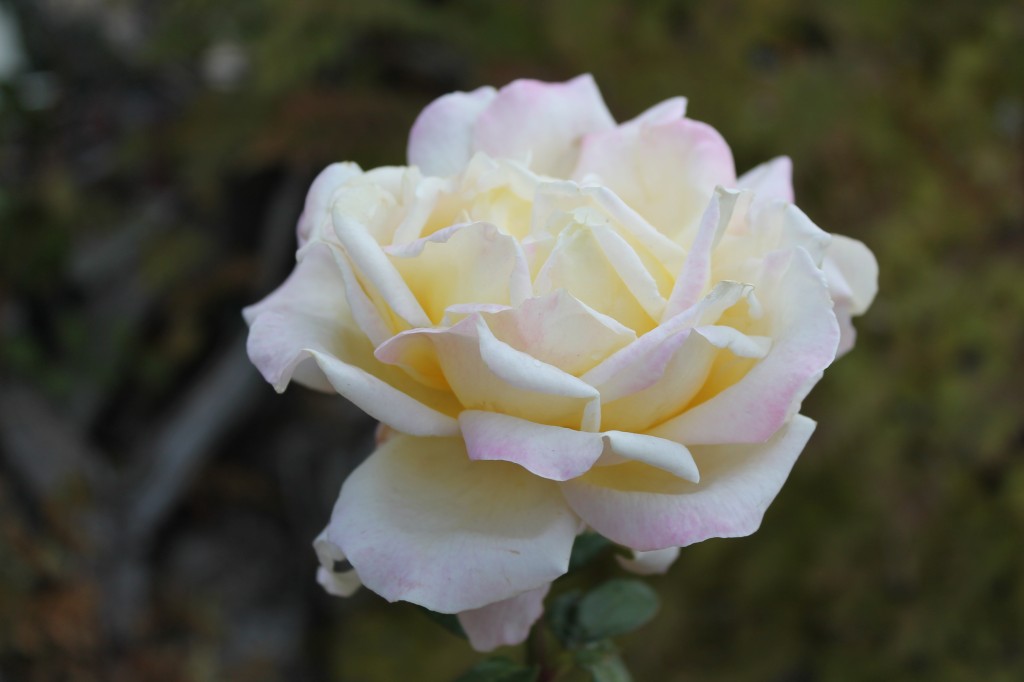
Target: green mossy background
<point>153,159</point>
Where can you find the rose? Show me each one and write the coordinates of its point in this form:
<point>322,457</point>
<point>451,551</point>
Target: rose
<point>566,323</point>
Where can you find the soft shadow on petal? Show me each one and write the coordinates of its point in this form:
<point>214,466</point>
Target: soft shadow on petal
<point>423,523</point>
<point>641,508</point>
<point>504,623</point>
<point>542,123</point>
<point>441,139</point>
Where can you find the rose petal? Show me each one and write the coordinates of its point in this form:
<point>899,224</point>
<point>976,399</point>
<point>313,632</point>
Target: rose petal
<point>664,382</point>
<point>852,262</point>
<point>504,623</point>
<point>666,172</point>
<point>423,523</point>
<point>470,263</point>
<point>542,123</point>
<point>382,281</point>
<point>772,180</point>
<point>441,139</point>
<point>305,331</point>
<point>695,276</point>
<point>655,562</point>
<point>659,453</point>
<point>560,454</point>
<point>334,574</point>
<point>804,332</point>
<point>487,374</point>
<point>641,508</point>
<point>624,364</point>
<point>600,269</point>
<point>316,215</point>
<point>551,452</point>
<point>852,274</point>
<point>561,331</point>
<point>672,109</point>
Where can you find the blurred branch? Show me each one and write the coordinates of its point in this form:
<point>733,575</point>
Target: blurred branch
<point>167,463</point>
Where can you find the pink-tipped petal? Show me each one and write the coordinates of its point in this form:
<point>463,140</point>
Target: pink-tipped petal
<point>804,334</point>
<point>441,139</point>
<point>641,508</point>
<point>504,623</point>
<point>542,123</point>
<point>666,172</point>
<point>421,522</point>
<point>550,452</point>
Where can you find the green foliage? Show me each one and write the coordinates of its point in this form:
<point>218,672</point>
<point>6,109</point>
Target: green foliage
<point>615,608</point>
<point>497,669</point>
<point>448,621</point>
<point>587,547</point>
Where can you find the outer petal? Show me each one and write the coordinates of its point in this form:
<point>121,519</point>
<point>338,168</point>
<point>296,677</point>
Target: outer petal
<point>852,274</point>
<point>667,172</point>
<point>552,452</point>
<point>643,509</point>
<point>441,139</point>
<point>304,330</point>
<point>804,333</point>
<point>504,623</point>
<point>423,523</point>
<point>655,562</point>
<point>335,574</point>
<point>772,180</point>
<point>542,123</point>
<point>316,215</point>
<point>560,454</point>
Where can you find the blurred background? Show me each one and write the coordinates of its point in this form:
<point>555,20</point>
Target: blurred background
<point>158,500</point>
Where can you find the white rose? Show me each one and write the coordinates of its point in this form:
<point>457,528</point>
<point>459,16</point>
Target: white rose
<point>569,323</point>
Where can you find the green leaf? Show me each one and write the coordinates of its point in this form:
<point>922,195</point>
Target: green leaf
<point>615,608</point>
<point>499,670</point>
<point>560,614</point>
<point>586,548</point>
<point>449,621</point>
<point>603,662</point>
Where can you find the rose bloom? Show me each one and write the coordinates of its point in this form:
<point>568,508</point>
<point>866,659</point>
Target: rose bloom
<point>566,324</point>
